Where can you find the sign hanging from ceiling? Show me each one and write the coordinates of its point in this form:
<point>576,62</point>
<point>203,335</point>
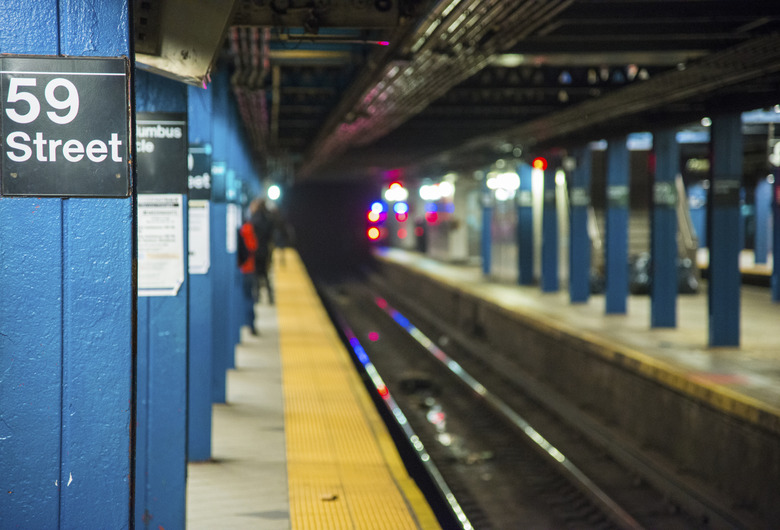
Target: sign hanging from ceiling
<point>161,146</point>
<point>64,127</point>
<point>199,177</point>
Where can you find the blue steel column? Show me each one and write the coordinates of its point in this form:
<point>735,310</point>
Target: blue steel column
<point>486,241</point>
<point>236,282</point>
<point>776,236</point>
<point>579,239</point>
<point>221,260</point>
<point>220,284</point>
<point>525,227</point>
<point>162,365</point>
<point>723,288</point>
<point>616,246</point>
<point>67,305</point>
<point>199,106</point>
<point>663,276</point>
<point>763,202</point>
<point>549,279</point>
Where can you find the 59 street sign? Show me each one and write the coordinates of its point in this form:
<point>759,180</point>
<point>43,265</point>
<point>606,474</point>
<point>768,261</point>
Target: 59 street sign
<point>64,127</point>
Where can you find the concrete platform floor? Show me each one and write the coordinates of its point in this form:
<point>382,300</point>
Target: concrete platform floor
<point>244,487</point>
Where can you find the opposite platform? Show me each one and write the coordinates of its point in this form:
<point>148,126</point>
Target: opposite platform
<point>327,443</point>
<point>742,381</point>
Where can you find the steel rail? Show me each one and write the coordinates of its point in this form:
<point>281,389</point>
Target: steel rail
<point>456,511</point>
<point>611,508</point>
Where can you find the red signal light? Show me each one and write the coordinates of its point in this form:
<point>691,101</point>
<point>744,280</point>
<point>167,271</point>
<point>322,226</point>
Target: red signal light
<point>373,233</point>
<point>373,216</point>
<point>539,163</point>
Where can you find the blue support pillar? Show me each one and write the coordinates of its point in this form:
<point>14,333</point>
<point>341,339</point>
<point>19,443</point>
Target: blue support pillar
<point>236,280</point>
<point>618,205</point>
<point>763,202</point>
<point>776,236</point>
<point>220,264</point>
<point>67,309</point>
<point>525,226</point>
<point>549,278</point>
<point>663,276</point>
<point>723,288</point>
<point>222,236</point>
<point>486,240</point>
<point>161,470</point>
<point>199,106</point>
<point>579,239</point>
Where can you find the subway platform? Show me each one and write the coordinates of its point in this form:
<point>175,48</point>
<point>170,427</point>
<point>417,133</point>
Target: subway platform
<point>745,379</point>
<point>299,444</point>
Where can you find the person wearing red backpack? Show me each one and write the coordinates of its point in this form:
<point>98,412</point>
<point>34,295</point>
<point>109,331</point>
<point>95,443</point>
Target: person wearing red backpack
<point>247,249</point>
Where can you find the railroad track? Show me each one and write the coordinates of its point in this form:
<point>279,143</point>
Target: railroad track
<point>495,442</point>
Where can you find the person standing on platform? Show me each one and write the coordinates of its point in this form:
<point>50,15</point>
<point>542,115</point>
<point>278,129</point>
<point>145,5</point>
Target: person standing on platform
<point>263,222</point>
<point>247,247</point>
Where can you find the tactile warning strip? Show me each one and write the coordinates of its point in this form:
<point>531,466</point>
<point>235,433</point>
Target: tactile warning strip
<point>343,470</point>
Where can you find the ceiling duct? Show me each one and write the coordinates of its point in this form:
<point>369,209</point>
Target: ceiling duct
<point>180,38</point>
<point>250,50</point>
<point>315,14</point>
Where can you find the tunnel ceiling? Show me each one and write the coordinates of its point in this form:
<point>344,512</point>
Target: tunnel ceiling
<point>341,89</point>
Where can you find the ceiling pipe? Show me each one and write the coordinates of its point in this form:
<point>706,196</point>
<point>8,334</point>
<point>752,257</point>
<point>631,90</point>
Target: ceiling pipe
<point>393,97</point>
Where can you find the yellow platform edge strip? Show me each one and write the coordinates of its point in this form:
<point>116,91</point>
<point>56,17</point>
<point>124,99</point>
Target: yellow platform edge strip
<point>344,470</point>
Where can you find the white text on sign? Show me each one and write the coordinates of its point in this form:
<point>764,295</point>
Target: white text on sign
<point>26,108</point>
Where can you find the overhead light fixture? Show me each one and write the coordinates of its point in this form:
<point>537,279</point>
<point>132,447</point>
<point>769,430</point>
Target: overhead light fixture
<point>508,60</point>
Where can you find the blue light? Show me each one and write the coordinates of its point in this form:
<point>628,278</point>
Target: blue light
<point>360,352</point>
<point>400,207</point>
<point>400,319</point>
<point>431,207</point>
<point>377,207</point>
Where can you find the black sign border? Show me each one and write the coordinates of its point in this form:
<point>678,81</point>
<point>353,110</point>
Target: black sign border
<point>130,150</point>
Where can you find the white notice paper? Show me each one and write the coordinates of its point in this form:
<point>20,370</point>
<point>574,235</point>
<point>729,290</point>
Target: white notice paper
<point>233,222</point>
<point>160,244</point>
<point>199,235</point>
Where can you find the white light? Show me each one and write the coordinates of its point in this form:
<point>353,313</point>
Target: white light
<point>446,189</point>
<point>492,180</point>
<point>502,194</point>
<point>560,177</point>
<point>537,181</point>
<point>274,192</point>
<point>449,8</point>
<point>508,60</point>
<point>430,192</point>
<point>509,181</point>
<point>706,122</point>
<point>395,193</point>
